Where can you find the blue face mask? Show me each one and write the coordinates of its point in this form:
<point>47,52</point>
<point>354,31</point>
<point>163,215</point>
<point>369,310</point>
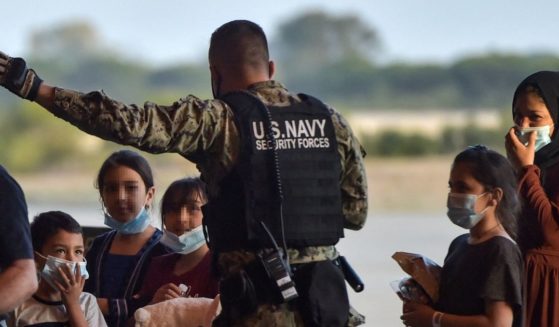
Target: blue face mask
<point>543,137</point>
<point>134,226</point>
<point>50,271</point>
<point>187,242</point>
<point>461,209</point>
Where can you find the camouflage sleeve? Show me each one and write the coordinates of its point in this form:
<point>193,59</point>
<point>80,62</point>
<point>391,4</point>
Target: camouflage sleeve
<point>353,179</point>
<point>190,126</point>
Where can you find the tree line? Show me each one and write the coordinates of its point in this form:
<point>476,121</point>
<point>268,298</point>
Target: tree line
<point>331,57</point>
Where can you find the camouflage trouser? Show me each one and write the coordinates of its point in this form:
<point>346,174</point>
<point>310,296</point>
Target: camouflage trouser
<point>282,314</point>
<point>268,315</point>
<point>355,318</point>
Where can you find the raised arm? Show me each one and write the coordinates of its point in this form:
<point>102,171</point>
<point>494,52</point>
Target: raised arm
<point>45,96</point>
<point>542,206</point>
<point>189,126</point>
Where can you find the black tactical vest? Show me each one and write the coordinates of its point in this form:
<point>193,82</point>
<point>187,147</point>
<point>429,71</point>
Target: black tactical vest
<point>291,182</point>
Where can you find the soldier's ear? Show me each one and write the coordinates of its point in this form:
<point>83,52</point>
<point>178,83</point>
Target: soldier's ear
<point>271,69</point>
<point>213,72</point>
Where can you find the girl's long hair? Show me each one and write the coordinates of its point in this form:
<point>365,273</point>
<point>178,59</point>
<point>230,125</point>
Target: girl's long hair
<point>493,170</point>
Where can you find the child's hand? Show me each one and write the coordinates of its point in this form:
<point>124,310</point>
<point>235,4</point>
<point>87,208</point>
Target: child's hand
<point>72,285</point>
<point>166,292</point>
<point>417,315</point>
<point>70,291</point>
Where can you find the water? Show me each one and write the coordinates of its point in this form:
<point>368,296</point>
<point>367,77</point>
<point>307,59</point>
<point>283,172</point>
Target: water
<point>369,251</point>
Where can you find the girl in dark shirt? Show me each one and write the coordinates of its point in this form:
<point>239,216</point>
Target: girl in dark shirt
<point>118,260</point>
<point>481,277</point>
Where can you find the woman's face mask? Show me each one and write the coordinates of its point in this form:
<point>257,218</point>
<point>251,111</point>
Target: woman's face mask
<point>543,136</point>
<point>461,209</point>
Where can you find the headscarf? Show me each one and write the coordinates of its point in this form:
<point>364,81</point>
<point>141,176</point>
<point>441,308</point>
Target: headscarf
<point>547,82</point>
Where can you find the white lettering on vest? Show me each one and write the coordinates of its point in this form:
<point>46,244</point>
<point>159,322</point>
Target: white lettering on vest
<point>258,133</point>
<point>295,134</point>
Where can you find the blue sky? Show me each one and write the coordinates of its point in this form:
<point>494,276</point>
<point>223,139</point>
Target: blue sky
<point>169,30</point>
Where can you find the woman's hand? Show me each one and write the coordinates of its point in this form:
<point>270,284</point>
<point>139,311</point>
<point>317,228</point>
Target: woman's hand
<point>417,315</point>
<point>166,292</point>
<point>520,155</point>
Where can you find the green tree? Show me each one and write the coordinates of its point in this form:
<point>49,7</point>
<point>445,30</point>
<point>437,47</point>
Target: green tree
<point>392,143</point>
<point>407,85</point>
<point>314,40</point>
<point>33,139</point>
<point>69,40</point>
<point>490,80</point>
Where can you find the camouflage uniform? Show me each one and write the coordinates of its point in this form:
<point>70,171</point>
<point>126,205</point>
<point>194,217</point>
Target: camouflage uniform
<point>204,132</point>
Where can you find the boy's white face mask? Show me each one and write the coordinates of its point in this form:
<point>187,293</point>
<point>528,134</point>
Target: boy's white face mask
<point>50,270</point>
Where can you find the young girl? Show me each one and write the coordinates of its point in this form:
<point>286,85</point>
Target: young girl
<point>481,277</point>
<point>533,148</point>
<point>190,264</point>
<point>59,300</point>
<point>117,260</point>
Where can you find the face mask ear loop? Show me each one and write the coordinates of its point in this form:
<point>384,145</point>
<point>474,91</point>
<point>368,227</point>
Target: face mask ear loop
<point>488,204</point>
<point>40,255</point>
<point>103,208</point>
<point>102,202</point>
<point>43,262</point>
<point>147,205</point>
<point>495,197</point>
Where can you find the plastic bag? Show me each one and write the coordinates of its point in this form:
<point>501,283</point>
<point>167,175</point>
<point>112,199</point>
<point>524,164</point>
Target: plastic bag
<point>423,284</point>
<point>408,289</point>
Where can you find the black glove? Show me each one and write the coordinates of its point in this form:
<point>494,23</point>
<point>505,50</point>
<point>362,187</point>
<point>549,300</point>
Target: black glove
<point>17,78</point>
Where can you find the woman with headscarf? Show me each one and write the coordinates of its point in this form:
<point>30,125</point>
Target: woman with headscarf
<point>533,149</point>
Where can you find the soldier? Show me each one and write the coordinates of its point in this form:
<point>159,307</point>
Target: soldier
<point>285,176</point>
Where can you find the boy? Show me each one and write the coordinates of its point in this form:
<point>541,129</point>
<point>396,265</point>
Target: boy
<point>59,256</point>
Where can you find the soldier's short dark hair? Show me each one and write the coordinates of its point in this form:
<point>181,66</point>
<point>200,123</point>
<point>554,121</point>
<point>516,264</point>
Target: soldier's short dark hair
<point>238,43</point>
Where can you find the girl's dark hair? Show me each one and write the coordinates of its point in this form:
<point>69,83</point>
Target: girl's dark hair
<point>45,225</point>
<point>493,170</point>
<point>127,158</point>
<point>180,191</point>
